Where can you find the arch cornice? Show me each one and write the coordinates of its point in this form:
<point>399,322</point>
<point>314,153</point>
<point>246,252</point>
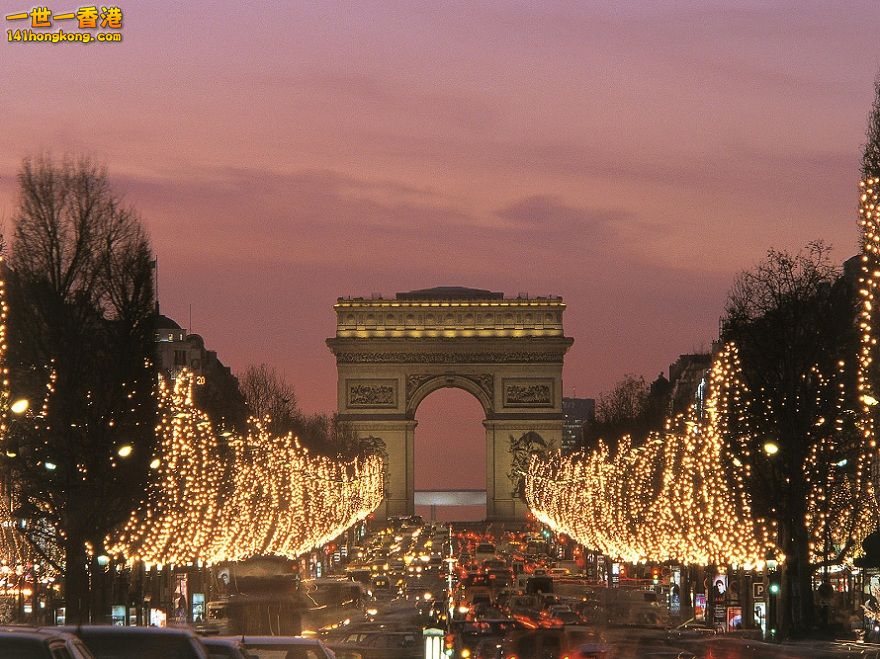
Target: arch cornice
<point>432,351</point>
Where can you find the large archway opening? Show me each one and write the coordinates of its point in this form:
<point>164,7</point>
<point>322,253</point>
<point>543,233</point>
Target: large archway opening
<point>450,451</point>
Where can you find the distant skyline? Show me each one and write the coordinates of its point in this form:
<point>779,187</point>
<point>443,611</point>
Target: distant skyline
<point>631,157</point>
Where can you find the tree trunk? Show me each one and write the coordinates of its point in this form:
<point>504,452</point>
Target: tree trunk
<point>76,582</point>
<point>797,588</point>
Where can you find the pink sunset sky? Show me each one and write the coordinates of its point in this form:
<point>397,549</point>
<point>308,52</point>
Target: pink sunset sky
<point>629,156</point>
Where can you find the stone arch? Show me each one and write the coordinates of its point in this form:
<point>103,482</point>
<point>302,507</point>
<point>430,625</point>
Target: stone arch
<point>386,370</point>
<point>420,386</point>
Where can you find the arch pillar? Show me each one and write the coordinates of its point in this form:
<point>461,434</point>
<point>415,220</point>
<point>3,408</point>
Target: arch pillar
<point>399,436</point>
<point>501,504</point>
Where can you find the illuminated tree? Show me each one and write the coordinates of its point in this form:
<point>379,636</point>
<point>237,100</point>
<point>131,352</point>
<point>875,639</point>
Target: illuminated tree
<point>81,351</point>
<point>181,510</point>
<point>792,319</point>
<point>670,498</point>
<point>236,496</point>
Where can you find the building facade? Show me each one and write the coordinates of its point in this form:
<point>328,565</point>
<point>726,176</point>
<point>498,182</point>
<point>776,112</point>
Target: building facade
<point>577,413</point>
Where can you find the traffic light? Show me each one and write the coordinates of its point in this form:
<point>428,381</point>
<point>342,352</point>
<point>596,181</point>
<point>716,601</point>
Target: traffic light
<point>655,575</point>
<point>449,645</point>
<point>772,615</point>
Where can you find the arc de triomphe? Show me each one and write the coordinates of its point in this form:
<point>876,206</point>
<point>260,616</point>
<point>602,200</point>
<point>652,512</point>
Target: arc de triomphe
<point>507,352</point>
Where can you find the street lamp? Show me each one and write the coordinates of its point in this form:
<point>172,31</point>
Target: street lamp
<point>771,447</point>
<point>20,406</point>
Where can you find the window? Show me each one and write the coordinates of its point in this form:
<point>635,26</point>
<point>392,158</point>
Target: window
<point>180,357</point>
<point>284,652</point>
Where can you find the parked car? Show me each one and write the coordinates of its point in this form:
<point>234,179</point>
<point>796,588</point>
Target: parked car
<point>285,647</point>
<point>220,647</point>
<point>26,643</point>
<point>106,642</point>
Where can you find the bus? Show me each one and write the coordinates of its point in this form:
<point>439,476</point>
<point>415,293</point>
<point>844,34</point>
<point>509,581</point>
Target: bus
<point>254,615</point>
<point>261,596</point>
<point>330,601</point>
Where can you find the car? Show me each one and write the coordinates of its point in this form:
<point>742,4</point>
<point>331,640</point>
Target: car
<point>285,647</point>
<point>484,550</point>
<point>380,645</point>
<point>26,643</point>
<point>112,642</point>
<point>591,651</point>
<point>568,618</point>
<point>558,608</point>
<point>220,647</point>
<point>538,644</point>
<point>488,648</point>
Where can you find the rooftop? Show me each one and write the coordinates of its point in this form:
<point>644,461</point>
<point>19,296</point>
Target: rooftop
<point>164,322</point>
<point>450,293</point>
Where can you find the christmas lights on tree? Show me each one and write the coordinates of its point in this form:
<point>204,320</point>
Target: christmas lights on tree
<point>252,495</point>
<point>677,497</point>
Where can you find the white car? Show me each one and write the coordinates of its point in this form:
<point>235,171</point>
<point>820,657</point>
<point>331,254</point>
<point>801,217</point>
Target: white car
<point>285,647</point>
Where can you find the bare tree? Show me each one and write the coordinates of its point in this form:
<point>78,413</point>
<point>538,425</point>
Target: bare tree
<point>268,394</point>
<point>871,154</point>
<point>624,402</point>
<point>631,407</point>
<point>81,322</point>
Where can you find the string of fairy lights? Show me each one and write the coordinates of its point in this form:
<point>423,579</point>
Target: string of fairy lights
<point>682,495</point>
<point>869,224</point>
<point>229,497</point>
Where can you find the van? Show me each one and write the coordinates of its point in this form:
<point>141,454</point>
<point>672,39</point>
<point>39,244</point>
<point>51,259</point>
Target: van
<point>536,585</point>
